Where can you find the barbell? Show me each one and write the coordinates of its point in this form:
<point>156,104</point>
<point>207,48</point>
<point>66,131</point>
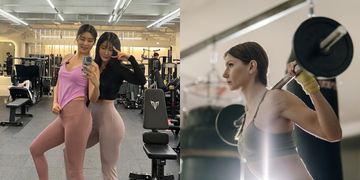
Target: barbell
<point>322,48</point>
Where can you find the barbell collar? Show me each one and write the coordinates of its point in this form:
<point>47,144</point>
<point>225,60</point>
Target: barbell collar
<point>239,121</point>
<point>330,40</point>
<point>287,78</point>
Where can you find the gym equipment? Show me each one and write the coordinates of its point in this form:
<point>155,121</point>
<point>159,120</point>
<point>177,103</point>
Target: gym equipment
<point>315,52</point>
<point>149,64</point>
<point>154,64</point>
<point>168,66</point>
<point>2,70</point>
<point>155,143</point>
<point>322,47</point>
<point>226,131</point>
<point>203,153</point>
<point>130,94</point>
<point>22,92</point>
<point>143,56</point>
<point>22,102</point>
<point>172,94</point>
<point>29,73</point>
<point>33,69</point>
<point>46,83</point>
<point>55,66</point>
<point>174,126</point>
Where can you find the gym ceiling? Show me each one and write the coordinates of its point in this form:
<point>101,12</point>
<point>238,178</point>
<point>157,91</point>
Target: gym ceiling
<point>136,17</point>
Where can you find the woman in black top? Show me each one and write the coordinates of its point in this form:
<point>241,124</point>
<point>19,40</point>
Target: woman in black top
<point>108,126</point>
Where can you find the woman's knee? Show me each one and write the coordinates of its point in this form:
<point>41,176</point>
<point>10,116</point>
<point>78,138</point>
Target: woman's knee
<point>34,150</point>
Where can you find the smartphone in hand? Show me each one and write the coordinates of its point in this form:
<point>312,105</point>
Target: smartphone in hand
<point>87,60</point>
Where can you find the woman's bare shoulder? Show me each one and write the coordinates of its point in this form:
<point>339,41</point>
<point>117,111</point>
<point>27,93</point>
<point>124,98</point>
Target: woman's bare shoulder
<point>67,57</point>
<point>282,97</point>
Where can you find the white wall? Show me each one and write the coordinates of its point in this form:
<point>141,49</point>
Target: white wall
<point>16,41</point>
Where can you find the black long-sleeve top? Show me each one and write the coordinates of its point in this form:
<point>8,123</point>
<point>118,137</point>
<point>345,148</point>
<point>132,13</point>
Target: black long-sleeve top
<point>113,76</point>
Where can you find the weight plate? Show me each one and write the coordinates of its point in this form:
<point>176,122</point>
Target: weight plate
<point>46,85</point>
<point>224,123</point>
<point>306,46</point>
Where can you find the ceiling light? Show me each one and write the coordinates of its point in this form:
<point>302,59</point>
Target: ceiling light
<point>123,3</point>
<point>117,3</point>
<point>61,17</point>
<point>51,4</point>
<point>166,18</point>
<point>110,18</point>
<point>58,13</point>
<point>11,17</point>
<point>118,12</point>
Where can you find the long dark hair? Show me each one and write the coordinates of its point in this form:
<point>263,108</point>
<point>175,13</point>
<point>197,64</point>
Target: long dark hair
<point>111,38</point>
<point>87,28</point>
<point>248,51</point>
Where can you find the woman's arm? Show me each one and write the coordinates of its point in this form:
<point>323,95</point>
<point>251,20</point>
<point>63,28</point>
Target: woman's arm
<point>136,77</point>
<point>321,122</point>
<point>326,116</point>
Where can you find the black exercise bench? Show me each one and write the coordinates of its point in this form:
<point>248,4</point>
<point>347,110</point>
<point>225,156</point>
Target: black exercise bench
<point>156,144</point>
<point>21,102</point>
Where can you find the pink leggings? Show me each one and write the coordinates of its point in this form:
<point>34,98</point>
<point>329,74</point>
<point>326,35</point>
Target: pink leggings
<point>108,130</point>
<point>73,127</point>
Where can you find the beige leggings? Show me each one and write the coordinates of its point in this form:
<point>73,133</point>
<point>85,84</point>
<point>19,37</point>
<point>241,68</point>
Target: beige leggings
<point>73,127</point>
<point>108,130</point>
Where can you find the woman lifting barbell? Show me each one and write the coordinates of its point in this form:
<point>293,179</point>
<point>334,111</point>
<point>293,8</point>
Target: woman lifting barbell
<point>265,139</point>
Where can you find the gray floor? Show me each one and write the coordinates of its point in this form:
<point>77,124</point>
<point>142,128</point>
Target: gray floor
<point>16,162</point>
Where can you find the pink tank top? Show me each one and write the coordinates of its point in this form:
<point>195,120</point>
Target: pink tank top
<point>71,84</point>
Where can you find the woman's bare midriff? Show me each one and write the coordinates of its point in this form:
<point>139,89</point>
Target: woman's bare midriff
<point>80,99</point>
<point>104,101</point>
<point>98,101</point>
<point>288,167</point>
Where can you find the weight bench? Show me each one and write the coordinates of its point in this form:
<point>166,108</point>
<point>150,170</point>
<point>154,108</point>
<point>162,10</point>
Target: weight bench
<point>156,143</point>
<point>21,102</point>
<point>21,92</point>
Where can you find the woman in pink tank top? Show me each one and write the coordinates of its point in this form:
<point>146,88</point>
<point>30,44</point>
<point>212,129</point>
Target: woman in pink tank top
<point>74,123</point>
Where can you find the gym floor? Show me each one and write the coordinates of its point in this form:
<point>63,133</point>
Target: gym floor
<point>16,162</point>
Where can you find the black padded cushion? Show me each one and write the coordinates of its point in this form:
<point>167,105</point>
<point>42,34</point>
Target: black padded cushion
<point>27,72</point>
<point>18,102</point>
<point>155,115</point>
<point>19,92</point>
<point>155,138</point>
<point>159,151</point>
